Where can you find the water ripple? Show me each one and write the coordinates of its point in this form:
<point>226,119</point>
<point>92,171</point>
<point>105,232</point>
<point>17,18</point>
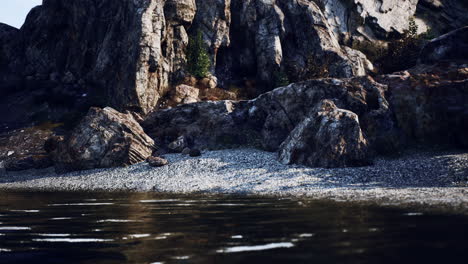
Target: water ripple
<point>14,228</point>
<point>256,248</point>
<point>80,204</point>
<point>72,240</point>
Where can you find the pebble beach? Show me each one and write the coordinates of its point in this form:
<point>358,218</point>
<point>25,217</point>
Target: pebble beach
<point>423,178</point>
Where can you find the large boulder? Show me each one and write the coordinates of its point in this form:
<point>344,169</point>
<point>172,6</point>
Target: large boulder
<point>330,137</point>
<point>104,138</point>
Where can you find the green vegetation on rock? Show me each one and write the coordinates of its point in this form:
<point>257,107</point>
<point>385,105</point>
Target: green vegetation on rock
<point>399,54</point>
<point>280,79</point>
<point>198,60</point>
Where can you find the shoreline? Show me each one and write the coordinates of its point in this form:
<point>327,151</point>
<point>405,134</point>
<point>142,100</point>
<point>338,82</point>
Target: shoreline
<point>418,178</point>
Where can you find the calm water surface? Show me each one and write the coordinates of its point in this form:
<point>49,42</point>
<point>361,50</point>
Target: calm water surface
<point>152,228</point>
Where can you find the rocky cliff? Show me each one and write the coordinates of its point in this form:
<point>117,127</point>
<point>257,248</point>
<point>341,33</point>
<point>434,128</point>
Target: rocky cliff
<point>128,54</point>
<point>132,55</point>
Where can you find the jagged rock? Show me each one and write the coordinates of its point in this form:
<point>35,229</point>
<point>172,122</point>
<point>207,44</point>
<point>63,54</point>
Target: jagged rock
<point>213,20</point>
<point>369,18</point>
<point>452,46</point>
<point>270,37</point>
<point>442,16</point>
<point>330,138</point>
<point>83,39</point>
<point>430,103</point>
<point>104,138</point>
<point>157,161</point>
<point>361,65</point>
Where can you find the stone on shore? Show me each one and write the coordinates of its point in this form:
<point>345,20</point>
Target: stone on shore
<point>330,138</point>
<point>157,161</point>
<point>178,145</point>
<point>104,138</point>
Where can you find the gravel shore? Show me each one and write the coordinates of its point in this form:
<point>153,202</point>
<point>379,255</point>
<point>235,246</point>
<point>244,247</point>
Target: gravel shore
<point>423,178</point>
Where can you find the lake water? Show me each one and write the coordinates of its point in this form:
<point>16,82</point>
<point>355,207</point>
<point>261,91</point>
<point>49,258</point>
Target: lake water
<point>151,228</point>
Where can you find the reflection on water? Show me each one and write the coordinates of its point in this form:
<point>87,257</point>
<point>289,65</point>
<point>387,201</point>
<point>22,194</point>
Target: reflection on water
<point>152,228</point>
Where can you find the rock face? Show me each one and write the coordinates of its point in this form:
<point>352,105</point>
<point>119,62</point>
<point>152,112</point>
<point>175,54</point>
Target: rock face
<point>369,18</point>
<point>430,103</point>
<point>335,122</point>
<point>129,54</point>
<point>104,138</point>
<point>8,78</point>
<point>272,37</point>
<point>452,46</point>
<point>121,54</point>
<point>330,137</point>
<point>443,16</point>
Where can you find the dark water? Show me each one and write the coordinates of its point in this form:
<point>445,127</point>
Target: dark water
<point>149,228</point>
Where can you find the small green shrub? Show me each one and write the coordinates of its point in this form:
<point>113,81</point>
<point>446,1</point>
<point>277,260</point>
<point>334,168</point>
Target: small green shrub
<point>399,54</point>
<point>280,79</point>
<point>403,53</point>
<point>198,60</point>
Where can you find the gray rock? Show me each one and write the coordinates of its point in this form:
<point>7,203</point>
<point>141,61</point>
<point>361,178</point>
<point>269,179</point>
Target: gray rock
<point>186,151</point>
<point>157,161</point>
<point>369,18</point>
<point>270,37</point>
<point>104,138</point>
<point>430,103</point>
<point>443,16</point>
<point>84,39</point>
<point>178,145</point>
<point>330,137</point>
<point>68,49</point>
